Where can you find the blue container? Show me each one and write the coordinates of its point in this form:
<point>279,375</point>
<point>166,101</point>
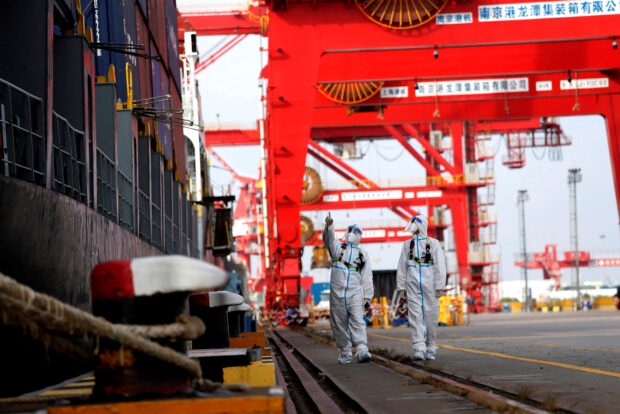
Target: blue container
<point>114,21</point>
<point>172,34</point>
<point>159,82</point>
<point>316,289</point>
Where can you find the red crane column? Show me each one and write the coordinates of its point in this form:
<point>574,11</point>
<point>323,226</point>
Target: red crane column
<point>292,72</point>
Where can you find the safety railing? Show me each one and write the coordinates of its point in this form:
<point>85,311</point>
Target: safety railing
<point>176,219</point>
<point>24,155</point>
<point>144,216</point>
<point>69,154</point>
<point>22,142</point>
<point>156,239</point>
<point>184,227</point>
<point>125,202</point>
<point>106,186</point>
<point>168,241</point>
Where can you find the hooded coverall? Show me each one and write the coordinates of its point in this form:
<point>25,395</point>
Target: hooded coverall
<point>421,279</point>
<point>347,288</point>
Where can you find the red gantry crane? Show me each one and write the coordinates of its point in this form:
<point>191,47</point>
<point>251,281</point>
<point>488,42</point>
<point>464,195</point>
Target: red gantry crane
<point>552,266</point>
<point>405,69</point>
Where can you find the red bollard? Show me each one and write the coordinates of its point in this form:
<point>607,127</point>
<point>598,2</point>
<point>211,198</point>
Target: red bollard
<point>145,291</point>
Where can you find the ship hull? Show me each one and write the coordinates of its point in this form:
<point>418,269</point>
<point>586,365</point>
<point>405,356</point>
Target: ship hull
<point>51,242</point>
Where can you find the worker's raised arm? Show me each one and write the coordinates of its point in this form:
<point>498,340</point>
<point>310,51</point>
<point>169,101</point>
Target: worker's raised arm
<point>329,238</point>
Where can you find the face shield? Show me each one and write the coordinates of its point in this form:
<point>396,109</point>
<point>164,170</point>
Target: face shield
<point>354,234</point>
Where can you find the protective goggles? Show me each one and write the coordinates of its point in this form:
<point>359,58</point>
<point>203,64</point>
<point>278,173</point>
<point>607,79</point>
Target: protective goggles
<point>354,229</point>
<point>414,219</point>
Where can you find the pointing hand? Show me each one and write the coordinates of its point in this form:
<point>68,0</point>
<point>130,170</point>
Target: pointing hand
<point>329,220</point>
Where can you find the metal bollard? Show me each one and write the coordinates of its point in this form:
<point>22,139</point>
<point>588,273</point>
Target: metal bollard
<point>235,315</point>
<point>212,308</point>
<point>145,291</point>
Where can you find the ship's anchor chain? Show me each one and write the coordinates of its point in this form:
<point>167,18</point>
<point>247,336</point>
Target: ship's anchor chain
<point>47,319</point>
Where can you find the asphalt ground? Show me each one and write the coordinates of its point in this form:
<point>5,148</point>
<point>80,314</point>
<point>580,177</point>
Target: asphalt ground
<point>566,360</point>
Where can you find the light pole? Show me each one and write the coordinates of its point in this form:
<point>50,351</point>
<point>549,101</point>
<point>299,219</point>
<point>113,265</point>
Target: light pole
<point>574,177</point>
<point>522,197</point>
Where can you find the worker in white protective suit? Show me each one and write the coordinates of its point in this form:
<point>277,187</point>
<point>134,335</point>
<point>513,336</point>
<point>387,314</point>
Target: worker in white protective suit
<point>351,290</point>
<point>421,278</point>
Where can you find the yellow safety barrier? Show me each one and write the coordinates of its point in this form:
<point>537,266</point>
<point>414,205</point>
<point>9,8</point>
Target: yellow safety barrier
<point>451,310</point>
<point>567,305</point>
<point>312,315</point>
<point>385,320</point>
<point>375,316</point>
<point>515,307</point>
<point>604,303</point>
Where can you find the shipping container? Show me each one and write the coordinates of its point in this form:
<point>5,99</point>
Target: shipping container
<point>157,25</point>
<point>160,88</point>
<point>143,7</point>
<point>114,21</point>
<point>178,139</point>
<point>144,65</point>
<point>173,43</point>
<point>167,127</point>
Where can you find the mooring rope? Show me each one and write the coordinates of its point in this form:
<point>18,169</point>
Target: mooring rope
<point>50,314</point>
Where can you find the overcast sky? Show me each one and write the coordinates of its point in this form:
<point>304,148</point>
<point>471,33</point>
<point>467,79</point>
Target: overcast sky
<point>230,88</point>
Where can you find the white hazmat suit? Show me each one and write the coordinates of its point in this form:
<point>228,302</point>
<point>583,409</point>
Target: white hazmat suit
<point>422,274</point>
<point>350,285</point>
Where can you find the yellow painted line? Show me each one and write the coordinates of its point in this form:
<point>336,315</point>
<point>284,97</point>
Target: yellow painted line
<point>506,356</point>
<point>520,341</point>
<point>83,391</point>
<point>81,384</point>
<point>92,377</point>
<point>390,337</point>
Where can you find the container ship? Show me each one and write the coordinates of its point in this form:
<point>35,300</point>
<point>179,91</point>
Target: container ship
<point>100,157</point>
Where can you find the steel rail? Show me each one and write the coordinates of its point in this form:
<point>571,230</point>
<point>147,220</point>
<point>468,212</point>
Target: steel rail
<point>323,403</point>
<point>358,404</point>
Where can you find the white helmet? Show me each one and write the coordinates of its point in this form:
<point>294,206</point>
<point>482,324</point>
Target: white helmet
<point>353,234</point>
<point>417,224</point>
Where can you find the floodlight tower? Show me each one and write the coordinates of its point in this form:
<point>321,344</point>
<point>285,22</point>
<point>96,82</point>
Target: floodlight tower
<point>522,197</point>
<point>574,177</point>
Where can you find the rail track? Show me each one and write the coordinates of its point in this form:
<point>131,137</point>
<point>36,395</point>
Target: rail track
<point>312,388</point>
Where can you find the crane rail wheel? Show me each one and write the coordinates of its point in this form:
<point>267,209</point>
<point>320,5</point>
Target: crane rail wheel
<point>312,187</point>
<point>349,93</point>
<point>307,228</point>
<point>401,14</point>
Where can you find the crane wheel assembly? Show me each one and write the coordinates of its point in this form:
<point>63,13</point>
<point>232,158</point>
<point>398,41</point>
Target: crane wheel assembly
<point>306,228</point>
<point>401,14</point>
<point>349,93</point>
<point>312,187</point>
